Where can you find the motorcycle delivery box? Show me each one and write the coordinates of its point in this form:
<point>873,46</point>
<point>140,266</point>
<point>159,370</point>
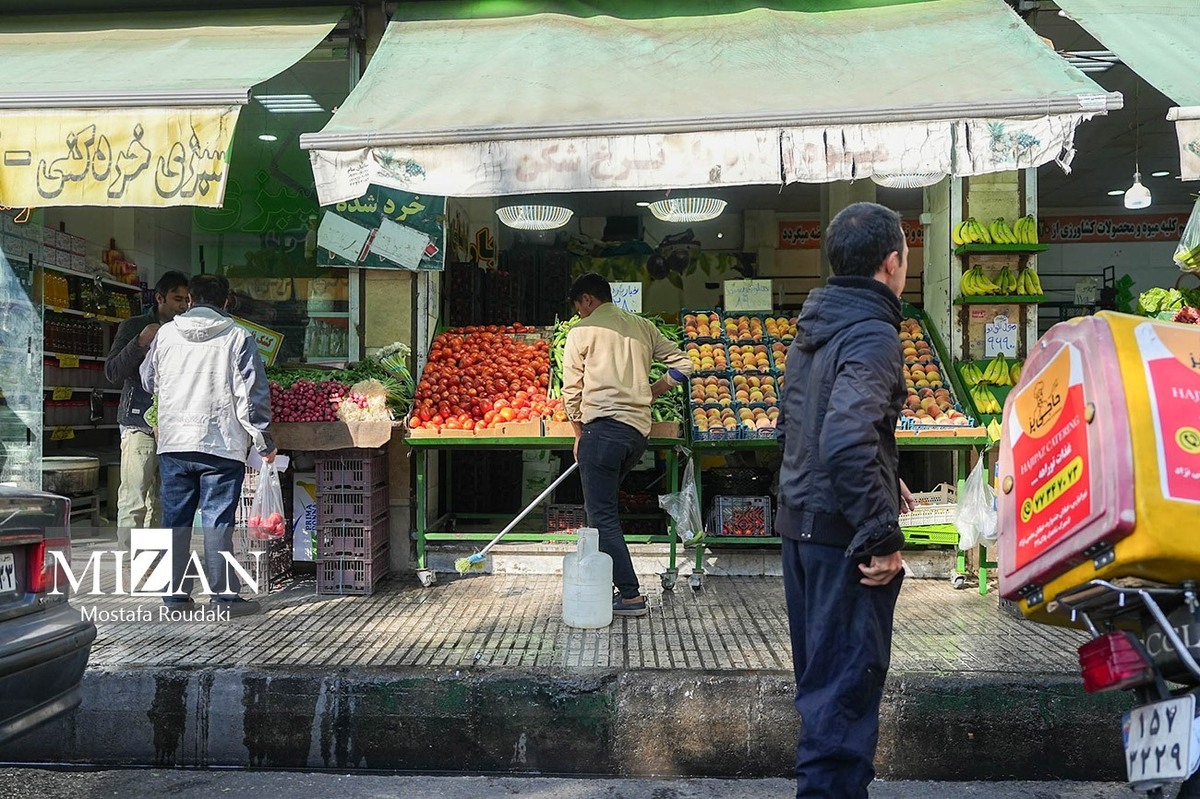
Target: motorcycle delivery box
<point>1099,471</point>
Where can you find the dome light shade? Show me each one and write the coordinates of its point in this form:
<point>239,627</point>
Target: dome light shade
<point>534,217</point>
<point>1137,195</point>
<point>908,181</point>
<point>687,209</point>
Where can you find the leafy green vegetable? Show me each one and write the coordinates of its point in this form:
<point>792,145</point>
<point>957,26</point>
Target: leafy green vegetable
<point>1157,300</point>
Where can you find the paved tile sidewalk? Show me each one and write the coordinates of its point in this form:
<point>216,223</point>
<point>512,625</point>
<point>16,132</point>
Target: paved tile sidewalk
<point>514,622</point>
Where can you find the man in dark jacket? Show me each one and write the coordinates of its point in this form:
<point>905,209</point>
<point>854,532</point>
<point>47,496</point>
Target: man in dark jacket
<point>840,498</point>
<point>137,499</point>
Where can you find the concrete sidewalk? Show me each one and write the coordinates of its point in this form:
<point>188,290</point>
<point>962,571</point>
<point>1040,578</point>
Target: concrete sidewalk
<point>480,674</point>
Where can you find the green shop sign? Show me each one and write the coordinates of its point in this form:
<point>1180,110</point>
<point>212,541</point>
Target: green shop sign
<point>386,229</point>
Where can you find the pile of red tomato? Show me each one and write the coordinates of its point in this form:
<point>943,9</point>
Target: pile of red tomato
<point>480,377</point>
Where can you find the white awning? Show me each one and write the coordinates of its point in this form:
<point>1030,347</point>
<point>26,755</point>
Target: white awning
<point>1160,41</point>
<point>550,102</point>
<point>104,109</point>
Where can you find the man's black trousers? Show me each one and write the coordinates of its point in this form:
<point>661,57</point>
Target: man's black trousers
<point>608,450</point>
<point>841,647</point>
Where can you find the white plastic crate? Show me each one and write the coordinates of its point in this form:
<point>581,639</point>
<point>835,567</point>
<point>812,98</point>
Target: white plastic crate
<point>939,506</point>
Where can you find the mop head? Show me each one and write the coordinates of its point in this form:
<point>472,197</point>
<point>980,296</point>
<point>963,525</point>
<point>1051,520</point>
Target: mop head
<point>471,564</point>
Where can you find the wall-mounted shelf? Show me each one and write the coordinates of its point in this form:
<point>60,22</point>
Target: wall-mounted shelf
<point>1002,299</point>
<point>85,314</point>
<point>108,281</point>
<point>1000,249</point>
<point>73,355</point>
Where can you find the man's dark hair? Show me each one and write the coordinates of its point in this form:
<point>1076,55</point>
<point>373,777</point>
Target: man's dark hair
<point>209,290</point>
<point>861,237</point>
<point>591,283</point>
<point>169,282</point>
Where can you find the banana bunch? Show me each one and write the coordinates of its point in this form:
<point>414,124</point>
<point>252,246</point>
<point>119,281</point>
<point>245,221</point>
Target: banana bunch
<point>997,372</point>
<point>1006,280</point>
<point>1028,282</point>
<point>985,401</point>
<point>1026,230</point>
<point>976,284</point>
<point>972,374</point>
<point>969,231</point>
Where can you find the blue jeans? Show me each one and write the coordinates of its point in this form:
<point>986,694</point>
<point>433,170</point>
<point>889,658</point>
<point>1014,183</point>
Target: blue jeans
<point>194,479</point>
<point>608,450</point>
<point>841,649</point>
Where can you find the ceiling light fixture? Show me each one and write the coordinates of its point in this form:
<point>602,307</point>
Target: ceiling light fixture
<point>290,103</point>
<point>1116,192</point>
<point>1162,173</point>
<point>267,137</point>
<point>913,181</point>
<point>1091,60</point>
<point>1137,196</point>
<point>687,209</point>
<point>534,217</point>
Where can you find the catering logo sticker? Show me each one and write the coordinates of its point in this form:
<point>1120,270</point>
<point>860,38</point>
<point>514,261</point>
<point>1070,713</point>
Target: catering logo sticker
<point>1171,357</point>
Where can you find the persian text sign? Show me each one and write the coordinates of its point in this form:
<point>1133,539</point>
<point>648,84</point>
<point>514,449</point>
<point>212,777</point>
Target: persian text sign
<point>805,234</point>
<point>1111,228</point>
<point>627,296</point>
<point>268,341</point>
<point>1052,456</point>
<point>127,157</point>
<point>1171,355</point>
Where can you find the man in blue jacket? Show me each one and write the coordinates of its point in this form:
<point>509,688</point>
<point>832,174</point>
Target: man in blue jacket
<point>840,499</point>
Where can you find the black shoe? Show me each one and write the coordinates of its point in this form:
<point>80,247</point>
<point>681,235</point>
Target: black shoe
<point>622,607</point>
<point>236,606</point>
<point>179,602</point>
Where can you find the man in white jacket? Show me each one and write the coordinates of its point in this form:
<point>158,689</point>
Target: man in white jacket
<point>213,405</point>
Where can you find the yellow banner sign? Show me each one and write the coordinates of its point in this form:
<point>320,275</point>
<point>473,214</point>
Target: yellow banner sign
<point>118,157</point>
<point>268,341</point>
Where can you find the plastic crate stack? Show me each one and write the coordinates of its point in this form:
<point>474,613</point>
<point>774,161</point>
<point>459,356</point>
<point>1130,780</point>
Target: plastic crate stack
<point>352,521</point>
<point>741,517</point>
<point>738,365</point>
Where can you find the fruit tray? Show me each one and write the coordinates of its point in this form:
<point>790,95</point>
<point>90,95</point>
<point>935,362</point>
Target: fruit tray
<point>710,389</point>
<point>741,517</point>
<point>939,506</point>
<point>734,422</point>
<point>775,328</point>
<point>930,399</point>
<point>779,351</point>
<point>749,357</point>
<point>707,357</point>
<point>701,325</point>
<point>744,328</point>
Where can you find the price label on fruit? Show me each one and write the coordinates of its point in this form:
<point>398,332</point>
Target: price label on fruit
<point>63,392</point>
<point>1000,337</point>
<point>627,296</point>
<point>62,433</point>
<point>68,361</point>
<point>747,295</point>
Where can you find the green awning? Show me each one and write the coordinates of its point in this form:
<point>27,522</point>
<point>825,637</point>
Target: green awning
<point>1160,41</point>
<point>565,102</point>
<point>107,109</point>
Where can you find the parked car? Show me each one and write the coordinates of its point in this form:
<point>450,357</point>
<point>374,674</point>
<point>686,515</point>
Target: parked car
<point>44,642</point>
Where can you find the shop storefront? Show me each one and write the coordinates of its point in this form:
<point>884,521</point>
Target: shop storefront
<point>491,113</point>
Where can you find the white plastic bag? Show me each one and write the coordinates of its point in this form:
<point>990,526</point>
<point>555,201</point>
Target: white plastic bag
<point>1187,254</point>
<point>684,508</point>
<point>266,520</point>
<point>976,520</point>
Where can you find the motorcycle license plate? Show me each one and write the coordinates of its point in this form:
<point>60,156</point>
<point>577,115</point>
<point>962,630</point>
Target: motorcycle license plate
<point>1158,739</point>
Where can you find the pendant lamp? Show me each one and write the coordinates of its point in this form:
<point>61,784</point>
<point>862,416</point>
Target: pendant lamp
<point>687,209</point>
<point>534,217</point>
<point>1137,195</point>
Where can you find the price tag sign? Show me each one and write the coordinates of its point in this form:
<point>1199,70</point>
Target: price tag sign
<point>68,361</point>
<point>1000,337</point>
<point>62,433</point>
<point>268,340</point>
<point>63,392</point>
<point>747,295</point>
<point>627,296</point>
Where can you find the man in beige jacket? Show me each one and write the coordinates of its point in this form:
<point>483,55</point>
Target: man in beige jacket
<point>607,394</point>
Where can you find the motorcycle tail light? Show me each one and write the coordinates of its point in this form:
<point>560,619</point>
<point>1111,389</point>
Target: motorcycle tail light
<point>1114,661</point>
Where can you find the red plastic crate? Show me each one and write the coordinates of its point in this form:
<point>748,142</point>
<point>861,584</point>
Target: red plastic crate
<point>358,576</point>
<point>351,470</point>
<point>351,540</point>
<point>564,518</point>
<point>742,517</point>
<point>352,507</point>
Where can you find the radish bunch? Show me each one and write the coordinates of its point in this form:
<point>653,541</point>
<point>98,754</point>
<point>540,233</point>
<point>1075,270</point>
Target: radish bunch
<point>307,401</point>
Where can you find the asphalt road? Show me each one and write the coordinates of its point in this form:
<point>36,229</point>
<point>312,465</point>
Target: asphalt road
<point>24,783</point>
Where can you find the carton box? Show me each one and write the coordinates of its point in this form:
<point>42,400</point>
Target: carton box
<point>665,430</point>
<point>320,436</point>
<point>560,429</point>
<point>304,516</point>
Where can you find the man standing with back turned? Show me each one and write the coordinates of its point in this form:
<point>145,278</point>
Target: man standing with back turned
<point>213,405</point>
<point>840,498</point>
<point>607,394</point>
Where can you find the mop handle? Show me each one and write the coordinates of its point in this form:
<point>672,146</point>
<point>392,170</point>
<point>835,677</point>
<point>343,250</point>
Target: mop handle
<point>542,496</point>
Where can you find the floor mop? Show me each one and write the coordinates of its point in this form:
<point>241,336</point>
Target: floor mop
<point>475,562</point>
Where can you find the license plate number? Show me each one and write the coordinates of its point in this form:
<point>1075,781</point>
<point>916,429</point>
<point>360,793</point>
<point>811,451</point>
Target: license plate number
<point>1158,739</point>
<point>8,573</point>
